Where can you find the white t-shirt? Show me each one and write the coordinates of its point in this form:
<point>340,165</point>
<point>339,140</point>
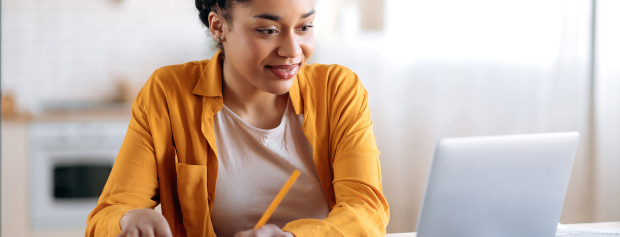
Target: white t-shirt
<point>253,166</point>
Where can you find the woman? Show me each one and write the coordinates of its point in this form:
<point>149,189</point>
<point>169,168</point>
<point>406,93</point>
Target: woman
<point>214,141</point>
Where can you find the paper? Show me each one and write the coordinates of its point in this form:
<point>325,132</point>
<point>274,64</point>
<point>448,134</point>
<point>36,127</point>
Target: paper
<point>561,232</point>
<point>585,232</point>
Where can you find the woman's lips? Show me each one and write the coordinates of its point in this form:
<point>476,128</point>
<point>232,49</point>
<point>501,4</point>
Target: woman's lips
<point>284,71</point>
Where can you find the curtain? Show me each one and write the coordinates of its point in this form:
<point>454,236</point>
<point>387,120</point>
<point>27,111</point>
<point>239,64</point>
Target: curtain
<point>470,68</point>
<point>607,111</point>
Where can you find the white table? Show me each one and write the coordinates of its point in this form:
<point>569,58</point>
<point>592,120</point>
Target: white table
<point>597,225</point>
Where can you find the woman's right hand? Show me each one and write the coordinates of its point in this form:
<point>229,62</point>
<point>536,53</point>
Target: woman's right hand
<point>144,223</point>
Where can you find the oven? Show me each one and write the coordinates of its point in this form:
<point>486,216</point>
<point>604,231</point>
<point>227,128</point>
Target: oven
<point>69,164</point>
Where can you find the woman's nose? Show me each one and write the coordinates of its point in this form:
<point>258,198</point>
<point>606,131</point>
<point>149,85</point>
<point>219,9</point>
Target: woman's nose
<point>290,47</point>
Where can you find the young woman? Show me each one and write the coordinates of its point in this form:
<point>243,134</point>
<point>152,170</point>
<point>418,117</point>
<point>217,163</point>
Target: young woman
<point>214,141</point>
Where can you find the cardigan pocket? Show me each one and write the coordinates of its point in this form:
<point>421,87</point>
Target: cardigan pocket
<point>193,196</point>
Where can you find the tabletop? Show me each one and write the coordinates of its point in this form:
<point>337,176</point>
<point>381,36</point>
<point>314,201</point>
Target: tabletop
<point>561,229</point>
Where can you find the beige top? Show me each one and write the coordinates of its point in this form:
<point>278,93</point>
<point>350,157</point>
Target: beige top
<point>254,164</point>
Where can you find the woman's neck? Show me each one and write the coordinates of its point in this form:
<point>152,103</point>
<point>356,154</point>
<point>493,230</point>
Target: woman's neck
<point>256,107</point>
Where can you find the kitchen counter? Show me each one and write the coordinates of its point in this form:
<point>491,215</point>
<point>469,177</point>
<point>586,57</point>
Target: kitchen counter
<point>114,114</point>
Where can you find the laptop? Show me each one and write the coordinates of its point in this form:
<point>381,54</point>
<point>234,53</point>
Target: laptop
<point>497,186</point>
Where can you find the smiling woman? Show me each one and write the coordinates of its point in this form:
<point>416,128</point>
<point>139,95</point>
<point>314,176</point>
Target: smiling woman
<point>213,141</point>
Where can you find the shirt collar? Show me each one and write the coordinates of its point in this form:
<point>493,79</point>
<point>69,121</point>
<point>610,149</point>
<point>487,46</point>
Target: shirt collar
<point>210,83</point>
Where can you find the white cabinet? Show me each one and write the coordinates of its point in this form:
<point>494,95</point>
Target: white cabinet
<point>19,183</point>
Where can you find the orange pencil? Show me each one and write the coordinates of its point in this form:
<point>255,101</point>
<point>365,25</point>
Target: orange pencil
<point>274,204</point>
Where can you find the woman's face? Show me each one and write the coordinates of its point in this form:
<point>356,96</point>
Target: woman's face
<point>268,42</point>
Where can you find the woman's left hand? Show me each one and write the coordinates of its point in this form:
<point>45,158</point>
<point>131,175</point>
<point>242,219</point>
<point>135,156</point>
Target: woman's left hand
<point>268,230</point>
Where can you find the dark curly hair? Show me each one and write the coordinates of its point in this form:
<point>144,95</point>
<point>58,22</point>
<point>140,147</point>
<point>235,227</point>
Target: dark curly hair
<point>221,7</point>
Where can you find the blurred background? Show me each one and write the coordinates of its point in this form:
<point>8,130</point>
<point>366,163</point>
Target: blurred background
<point>433,69</point>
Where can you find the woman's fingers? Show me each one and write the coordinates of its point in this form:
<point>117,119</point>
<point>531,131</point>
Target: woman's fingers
<point>133,232</point>
<point>144,223</point>
<point>125,233</point>
<point>146,230</point>
<point>269,230</point>
<point>162,229</point>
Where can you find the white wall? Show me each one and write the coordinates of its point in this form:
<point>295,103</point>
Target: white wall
<point>77,50</point>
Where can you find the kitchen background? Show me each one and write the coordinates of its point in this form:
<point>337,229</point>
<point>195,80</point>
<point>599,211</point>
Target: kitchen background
<point>433,69</point>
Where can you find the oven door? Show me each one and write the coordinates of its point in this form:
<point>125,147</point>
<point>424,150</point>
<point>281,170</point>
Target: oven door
<point>65,186</point>
<point>69,164</point>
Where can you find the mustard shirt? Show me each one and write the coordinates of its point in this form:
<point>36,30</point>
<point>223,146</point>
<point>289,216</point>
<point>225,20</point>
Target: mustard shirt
<point>169,152</point>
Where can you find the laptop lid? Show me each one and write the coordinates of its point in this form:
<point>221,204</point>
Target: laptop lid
<point>497,186</point>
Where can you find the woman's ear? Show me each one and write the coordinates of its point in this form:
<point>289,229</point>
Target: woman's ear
<point>216,26</point>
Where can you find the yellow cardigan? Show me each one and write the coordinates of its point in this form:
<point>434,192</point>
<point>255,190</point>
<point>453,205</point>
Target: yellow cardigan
<point>169,153</point>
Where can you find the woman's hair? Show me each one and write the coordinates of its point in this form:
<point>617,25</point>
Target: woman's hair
<point>222,7</point>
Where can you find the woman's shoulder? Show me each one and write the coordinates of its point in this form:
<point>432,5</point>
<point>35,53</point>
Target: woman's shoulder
<point>185,73</point>
<point>176,78</point>
<point>327,71</point>
<point>331,77</point>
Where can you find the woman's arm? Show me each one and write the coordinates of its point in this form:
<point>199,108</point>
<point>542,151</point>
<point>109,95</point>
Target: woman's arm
<point>133,182</point>
<point>360,208</point>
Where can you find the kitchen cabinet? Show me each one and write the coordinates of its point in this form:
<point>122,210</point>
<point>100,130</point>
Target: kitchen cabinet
<point>16,177</point>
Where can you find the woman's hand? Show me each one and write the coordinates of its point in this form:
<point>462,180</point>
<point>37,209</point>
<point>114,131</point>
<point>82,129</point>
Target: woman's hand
<point>268,230</point>
<point>144,223</point>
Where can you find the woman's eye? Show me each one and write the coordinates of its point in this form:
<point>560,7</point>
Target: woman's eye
<point>305,28</point>
<point>269,31</point>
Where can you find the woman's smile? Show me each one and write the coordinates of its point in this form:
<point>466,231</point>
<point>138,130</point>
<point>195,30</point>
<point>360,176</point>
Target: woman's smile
<point>284,71</point>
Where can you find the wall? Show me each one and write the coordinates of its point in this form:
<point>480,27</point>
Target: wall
<point>79,50</point>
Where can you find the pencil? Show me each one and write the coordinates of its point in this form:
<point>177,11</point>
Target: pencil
<point>274,204</point>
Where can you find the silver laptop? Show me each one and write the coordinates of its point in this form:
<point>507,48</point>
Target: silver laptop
<point>497,186</point>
